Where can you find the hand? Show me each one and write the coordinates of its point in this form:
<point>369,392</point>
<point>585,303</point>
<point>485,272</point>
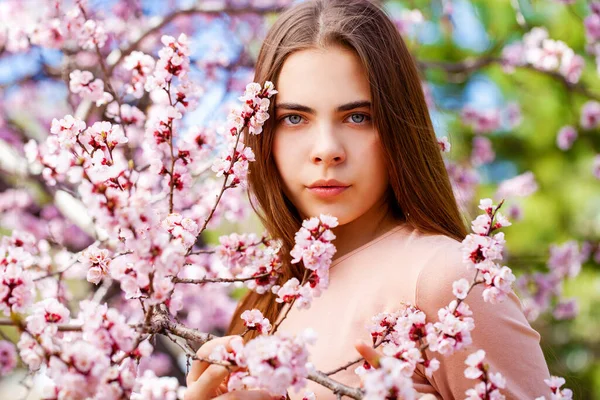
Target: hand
<point>207,381</point>
<point>372,356</point>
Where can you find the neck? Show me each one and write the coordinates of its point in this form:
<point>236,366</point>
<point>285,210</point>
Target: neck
<point>364,229</point>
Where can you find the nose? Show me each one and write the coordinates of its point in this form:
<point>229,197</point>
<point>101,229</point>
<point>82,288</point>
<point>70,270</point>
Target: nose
<point>327,149</point>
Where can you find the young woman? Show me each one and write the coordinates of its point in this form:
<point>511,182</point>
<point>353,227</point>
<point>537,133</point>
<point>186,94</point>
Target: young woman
<point>350,135</point>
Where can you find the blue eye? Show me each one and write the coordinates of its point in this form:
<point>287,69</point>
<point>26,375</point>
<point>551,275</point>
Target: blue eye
<point>293,119</point>
<point>360,118</point>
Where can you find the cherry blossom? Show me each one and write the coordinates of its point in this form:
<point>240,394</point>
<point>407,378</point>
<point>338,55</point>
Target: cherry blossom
<point>273,363</point>
<point>45,315</point>
<point>388,381</point>
<point>84,84</point>
<point>543,53</point>
<point>151,387</point>
<point>444,144</point>
<point>96,261</point>
<point>590,115</point>
<point>253,319</point>
<point>555,383</point>
<point>566,136</point>
<point>8,357</point>
<point>523,185</point>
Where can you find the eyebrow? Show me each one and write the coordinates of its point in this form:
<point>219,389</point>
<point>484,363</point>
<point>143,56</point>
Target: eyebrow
<point>344,107</point>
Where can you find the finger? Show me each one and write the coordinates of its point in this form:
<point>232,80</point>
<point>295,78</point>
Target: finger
<point>198,367</point>
<point>428,396</point>
<point>208,383</point>
<point>248,395</point>
<point>371,355</point>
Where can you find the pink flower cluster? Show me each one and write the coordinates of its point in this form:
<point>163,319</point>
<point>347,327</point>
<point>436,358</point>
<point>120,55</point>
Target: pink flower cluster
<point>141,66</point>
<point>84,84</point>
<point>590,115</point>
<point>545,54</point>
<point>389,381</point>
<point>17,289</point>
<point>254,320</point>
<point>566,137</point>
<point>173,62</point>
<point>541,290</point>
<point>99,359</point>
<point>592,32</point>
<point>490,120</point>
<point>45,316</point>
<point>554,383</point>
<point>273,363</point>
<point>402,335</point>
<point>523,185</point>
<point>482,248</point>
<point>491,383</point>
<point>151,387</point>
<point>235,158</point>
<point>444,144</point>
<point>8,357</point>
<point>314,248</point>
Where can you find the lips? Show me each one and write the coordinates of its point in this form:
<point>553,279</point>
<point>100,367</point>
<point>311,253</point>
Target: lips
<point>327,183</point>
<point>327,188</point>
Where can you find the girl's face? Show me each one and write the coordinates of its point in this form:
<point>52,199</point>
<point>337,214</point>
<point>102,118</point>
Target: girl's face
<point>326,147</point>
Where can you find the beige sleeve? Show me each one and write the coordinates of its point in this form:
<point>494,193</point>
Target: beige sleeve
<point>512,347</point>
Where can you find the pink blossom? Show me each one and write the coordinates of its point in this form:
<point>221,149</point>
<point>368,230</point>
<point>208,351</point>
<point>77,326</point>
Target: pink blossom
<point>17,289</point>
<point>46,314</point>
<point>460,288</point>
<point>590,115</point>
<point>555,382</point>
<point>96,261</point>
<point>183,230</point>
<point>141,66</point>
<point>173,62</point>
<point>592,27</point>
<point>274,363</point>
<point>565,260</point>
<point>151,387</point>
<point>475,363</point>
<point>83,83</point>
<point>31,352</point>
<point>481,121</point>
<point>453,330</point>
<point>523,185</point>
<point>444,144</point>
<point>253,319</point>
<point>483,153</point>
<point>8,357</point>
<point>566,136</point>
<point>67,130</point>
<point>92,34</point>
<point>566,309</point>
<point>378,383</point>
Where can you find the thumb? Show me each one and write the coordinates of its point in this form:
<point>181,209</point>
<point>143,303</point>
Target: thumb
<point>371,355</point>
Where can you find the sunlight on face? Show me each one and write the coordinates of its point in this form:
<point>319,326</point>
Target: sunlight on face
<point>326,146</point>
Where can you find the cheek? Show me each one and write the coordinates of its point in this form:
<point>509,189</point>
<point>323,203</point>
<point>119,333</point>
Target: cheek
<point>374,168</point>
<point>285,157</point>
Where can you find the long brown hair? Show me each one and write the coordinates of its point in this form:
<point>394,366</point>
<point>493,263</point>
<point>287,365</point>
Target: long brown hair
<point>420,192</point>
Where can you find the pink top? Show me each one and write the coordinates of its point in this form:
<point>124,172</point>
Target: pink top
<point>404,265</point>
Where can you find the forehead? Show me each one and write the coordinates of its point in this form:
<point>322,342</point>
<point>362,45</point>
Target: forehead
<point>323,78</point>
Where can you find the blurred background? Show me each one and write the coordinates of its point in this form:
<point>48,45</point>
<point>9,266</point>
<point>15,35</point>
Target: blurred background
<point>513,84</point>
